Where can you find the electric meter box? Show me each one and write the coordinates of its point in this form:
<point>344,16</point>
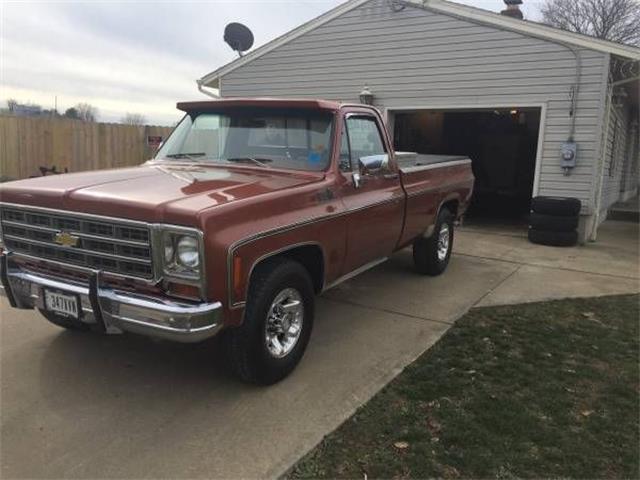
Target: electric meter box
<point>569,152</point>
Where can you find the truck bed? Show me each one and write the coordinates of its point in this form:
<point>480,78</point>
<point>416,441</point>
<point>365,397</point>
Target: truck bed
<point>411,159</point>
<point>430,181</point>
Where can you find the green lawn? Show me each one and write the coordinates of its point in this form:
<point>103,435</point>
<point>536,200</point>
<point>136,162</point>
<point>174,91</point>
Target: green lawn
<point>540,390</point>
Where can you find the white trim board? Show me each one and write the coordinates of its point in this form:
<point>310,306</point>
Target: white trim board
<point>489,106</point>
<point>525,27</point>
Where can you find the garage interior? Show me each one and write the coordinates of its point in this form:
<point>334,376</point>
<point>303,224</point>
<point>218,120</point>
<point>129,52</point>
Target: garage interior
<point>502,144</point>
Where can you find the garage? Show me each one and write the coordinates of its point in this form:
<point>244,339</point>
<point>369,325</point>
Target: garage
<point>540,111</point>
<point>502,142</point>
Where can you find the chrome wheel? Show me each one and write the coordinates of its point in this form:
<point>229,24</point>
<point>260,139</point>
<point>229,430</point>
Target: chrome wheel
<point>444,237</point>
<point>284,322</point>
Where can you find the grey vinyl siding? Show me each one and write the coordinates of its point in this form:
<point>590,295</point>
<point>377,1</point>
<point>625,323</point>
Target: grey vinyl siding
<point>418,58</point>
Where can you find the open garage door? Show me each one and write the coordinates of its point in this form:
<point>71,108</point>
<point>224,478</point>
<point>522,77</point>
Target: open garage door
<point>502,144</point>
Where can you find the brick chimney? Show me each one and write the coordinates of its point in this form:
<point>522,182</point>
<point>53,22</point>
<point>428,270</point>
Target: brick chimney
<point>513,9</point>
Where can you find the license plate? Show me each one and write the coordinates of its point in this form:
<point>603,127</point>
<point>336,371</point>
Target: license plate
<point>66,305</point>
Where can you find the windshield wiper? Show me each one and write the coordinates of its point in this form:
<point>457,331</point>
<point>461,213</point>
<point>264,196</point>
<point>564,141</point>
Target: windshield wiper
<point>188,156</point>
<point>262,162</point>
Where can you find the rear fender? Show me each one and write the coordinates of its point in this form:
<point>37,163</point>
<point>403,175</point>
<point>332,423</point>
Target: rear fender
<point>449,199</point>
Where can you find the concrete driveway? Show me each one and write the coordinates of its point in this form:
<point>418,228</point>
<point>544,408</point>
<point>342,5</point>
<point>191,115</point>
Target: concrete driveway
<point>80,405</point>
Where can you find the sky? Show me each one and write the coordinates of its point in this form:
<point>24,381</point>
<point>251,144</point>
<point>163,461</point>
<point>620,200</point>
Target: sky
<point>136,56</point>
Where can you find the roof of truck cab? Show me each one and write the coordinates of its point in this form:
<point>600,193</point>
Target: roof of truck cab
<point>259,102</point>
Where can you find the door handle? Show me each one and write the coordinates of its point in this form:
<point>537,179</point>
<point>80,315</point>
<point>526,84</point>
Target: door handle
<point>391,176</point>
<point>357,180</point>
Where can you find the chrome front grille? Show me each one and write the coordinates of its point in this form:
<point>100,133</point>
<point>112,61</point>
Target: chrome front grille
<point>115,246</point>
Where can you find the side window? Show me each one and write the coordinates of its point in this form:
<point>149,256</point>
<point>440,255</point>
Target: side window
<point>345,152</point>
<point>364,138</point>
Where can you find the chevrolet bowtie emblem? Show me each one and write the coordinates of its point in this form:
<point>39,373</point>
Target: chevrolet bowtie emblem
<point>66,239</point>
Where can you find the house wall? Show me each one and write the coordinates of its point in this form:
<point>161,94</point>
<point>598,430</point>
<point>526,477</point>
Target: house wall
<point>419,58</point>
<point>621,157</point>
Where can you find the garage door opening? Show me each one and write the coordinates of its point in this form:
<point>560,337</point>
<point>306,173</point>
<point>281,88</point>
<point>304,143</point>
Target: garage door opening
<point>502,144</point>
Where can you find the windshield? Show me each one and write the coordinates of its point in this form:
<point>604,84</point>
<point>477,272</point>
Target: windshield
<point>292,139</point>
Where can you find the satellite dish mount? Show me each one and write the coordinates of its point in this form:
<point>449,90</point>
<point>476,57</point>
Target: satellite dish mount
<point>238,37</point>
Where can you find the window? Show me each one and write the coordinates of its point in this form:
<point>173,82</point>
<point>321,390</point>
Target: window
<point>267,137</point>
<point>364,138</point>
<point>345,152</point>
<point>268,132</point>
<point>296,130</point>
<point>204,135</point>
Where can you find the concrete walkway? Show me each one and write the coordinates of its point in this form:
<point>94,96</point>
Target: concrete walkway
<point>80,406</point>
<point>609,266</point>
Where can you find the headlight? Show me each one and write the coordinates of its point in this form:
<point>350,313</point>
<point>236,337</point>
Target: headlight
<point>188,254</point>
<point>181,254</point>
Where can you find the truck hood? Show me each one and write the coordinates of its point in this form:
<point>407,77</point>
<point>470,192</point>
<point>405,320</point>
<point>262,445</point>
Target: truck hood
<point>171,193</point>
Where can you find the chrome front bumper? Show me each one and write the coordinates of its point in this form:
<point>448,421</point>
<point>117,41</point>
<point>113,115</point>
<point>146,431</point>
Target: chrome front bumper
<point>114,310</point>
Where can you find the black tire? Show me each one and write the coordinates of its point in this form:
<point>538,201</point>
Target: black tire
<point>65,322</point>
<point>425,250</point>
<point>558,206</point>
<point>553,223</point>
<point>245,346</point>
<point>554,239</point>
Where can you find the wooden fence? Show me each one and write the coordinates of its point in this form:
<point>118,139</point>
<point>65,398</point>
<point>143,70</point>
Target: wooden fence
<point>27,143</point>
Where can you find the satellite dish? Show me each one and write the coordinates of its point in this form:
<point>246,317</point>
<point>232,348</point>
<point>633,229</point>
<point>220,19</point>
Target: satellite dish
<point>238,37</point>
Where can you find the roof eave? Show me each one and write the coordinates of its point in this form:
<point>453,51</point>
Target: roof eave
<point>532,28</point>
<point>212,80</point>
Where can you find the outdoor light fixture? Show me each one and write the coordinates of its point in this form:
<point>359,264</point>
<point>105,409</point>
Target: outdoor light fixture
<point>366,96</point>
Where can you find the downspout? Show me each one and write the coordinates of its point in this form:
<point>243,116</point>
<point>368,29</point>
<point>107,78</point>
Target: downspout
<point>611,86</point>
<point>206,92</point>
<point>575,90</point>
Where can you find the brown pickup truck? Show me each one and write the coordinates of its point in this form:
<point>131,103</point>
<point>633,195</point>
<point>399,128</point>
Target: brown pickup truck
<point>249,209</point>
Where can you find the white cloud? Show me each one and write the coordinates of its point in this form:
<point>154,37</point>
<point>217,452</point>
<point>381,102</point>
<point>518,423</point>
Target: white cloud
<point>134,56</point>
<point>128,56</point>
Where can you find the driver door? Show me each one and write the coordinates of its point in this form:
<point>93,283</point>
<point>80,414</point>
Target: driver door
<point>374,199</point>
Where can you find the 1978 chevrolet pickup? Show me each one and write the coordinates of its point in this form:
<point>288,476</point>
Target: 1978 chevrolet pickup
<point>249,209</point>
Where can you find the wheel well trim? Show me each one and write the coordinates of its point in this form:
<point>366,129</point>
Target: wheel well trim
<point>454,197</point>
<point>272,253</point>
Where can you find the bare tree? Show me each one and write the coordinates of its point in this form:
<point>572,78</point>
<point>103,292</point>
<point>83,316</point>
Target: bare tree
<point>11,104</point>
<point>133,119</point>
<point>86,112</point>
<point>614,20</point>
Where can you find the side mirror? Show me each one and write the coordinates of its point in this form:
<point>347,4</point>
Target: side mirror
<point>373,164</point>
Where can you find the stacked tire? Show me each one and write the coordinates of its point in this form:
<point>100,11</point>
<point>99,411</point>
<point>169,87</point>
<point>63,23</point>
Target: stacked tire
<point>554,221</point>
